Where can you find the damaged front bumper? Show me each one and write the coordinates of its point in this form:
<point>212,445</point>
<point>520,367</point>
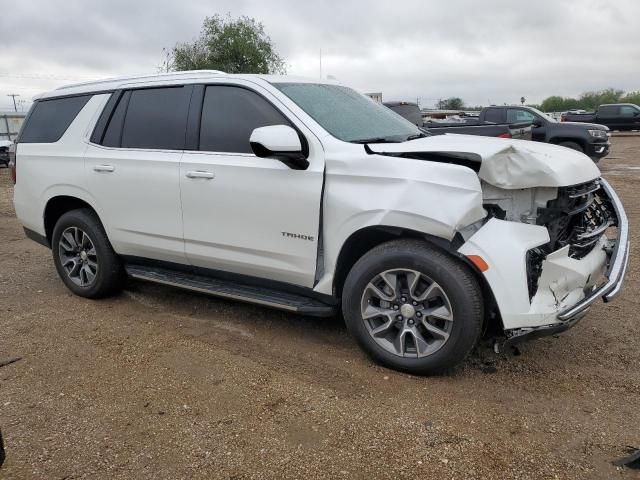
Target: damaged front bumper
<point>567,287</point>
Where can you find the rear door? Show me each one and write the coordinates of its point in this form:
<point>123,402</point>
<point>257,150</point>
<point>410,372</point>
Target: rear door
<point>132,171</point>
<point>244,214</point>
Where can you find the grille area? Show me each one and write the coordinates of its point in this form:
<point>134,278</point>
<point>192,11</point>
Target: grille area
<point>578,217</point>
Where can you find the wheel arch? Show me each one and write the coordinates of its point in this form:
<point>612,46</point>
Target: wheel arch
<point>580,141</point>
<point>59,205</point>
<point>367,238</point>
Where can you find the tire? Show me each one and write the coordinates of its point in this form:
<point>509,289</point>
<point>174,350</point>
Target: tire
<point>572,146</point>
<point>452,278</point>
<point>82,230</point>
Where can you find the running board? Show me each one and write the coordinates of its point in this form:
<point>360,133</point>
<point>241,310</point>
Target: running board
<point>290,302</point>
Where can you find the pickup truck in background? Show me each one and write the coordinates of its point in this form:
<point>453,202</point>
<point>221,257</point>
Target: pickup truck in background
<point>619,116</point>
<point>588,138</point>
<point>411,111</point>
<point>4,152</point>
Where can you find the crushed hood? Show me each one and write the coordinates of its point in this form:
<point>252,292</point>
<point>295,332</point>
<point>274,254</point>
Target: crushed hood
<point>504,163</point>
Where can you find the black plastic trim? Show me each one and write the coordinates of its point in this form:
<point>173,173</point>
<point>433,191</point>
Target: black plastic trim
<point>232,277</point>
<point>36,237</point>
<point>105,117</point>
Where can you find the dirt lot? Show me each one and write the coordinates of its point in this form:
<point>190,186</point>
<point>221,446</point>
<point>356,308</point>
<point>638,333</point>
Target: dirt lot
<point>159,383</point>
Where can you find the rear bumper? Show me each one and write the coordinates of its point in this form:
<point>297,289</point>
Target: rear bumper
<point>567,286</point>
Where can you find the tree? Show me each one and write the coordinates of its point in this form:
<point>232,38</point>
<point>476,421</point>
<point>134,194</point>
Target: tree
<point>453,103</point>
<point>631,97</point>
<point>233,46</point>
<point>591,100</point>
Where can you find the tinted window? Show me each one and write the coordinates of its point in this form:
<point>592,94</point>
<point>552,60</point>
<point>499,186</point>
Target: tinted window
<point>49,119</point>
<point>518,116</point>
<point>493,115</point>
<point>156,118</point>
<point>608,111</point>
<point>628,111</point>
<point>230,114</point>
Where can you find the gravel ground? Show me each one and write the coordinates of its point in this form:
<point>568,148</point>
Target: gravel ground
<point>160,383</point>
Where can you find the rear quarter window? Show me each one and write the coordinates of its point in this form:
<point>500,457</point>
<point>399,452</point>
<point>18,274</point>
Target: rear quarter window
<point>49,119</point>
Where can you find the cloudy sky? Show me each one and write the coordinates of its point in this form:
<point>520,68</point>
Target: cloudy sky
<point>483,51</point>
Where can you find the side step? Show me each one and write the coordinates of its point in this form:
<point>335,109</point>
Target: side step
<point>234,290</point>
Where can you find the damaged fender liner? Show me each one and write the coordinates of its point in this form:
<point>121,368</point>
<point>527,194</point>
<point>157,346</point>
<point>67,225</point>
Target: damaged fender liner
<point>463,159</point>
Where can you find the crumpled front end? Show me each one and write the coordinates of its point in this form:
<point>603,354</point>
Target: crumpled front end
<point>549,263</point>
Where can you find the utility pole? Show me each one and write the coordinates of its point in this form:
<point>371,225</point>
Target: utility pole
<point>320,64</point>
<point>14,95</point>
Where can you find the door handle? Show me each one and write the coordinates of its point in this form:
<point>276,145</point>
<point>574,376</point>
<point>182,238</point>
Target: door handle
<point>200,174</point>
<point>104,168</point>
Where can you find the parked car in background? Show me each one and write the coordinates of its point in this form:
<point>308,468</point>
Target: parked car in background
<point>308,197</point>
<point>590,139</point>
<point>4,152</point>
<point>619,116</point>
<point>462,126</point>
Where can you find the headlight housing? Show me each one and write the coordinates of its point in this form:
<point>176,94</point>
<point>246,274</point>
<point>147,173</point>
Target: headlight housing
<point>599,133</point>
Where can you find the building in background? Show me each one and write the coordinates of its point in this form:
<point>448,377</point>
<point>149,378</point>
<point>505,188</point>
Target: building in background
<point>10,123</point>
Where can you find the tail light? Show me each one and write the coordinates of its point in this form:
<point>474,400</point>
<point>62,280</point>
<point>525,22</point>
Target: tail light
<point>12,162</point>
<point>505,135</point>
<point>563,118</point>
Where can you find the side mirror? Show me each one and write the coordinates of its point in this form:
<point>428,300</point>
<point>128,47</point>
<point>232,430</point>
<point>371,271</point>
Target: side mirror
<point>279,142</point>
<point>537,122</point>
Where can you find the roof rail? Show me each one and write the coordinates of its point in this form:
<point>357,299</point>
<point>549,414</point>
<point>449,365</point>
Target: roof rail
<point>142,77</point>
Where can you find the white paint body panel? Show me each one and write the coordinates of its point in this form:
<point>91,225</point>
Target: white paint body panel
<point>233,214</point>
<point>506,163</point>
<point>503,246</point>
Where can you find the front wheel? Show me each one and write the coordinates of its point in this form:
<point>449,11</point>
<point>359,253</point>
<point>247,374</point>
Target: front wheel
<point>412,307</point>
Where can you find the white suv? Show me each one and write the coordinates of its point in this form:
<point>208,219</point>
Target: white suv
<point>307,196</point>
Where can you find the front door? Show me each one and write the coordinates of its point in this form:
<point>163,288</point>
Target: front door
<point>241,213</point>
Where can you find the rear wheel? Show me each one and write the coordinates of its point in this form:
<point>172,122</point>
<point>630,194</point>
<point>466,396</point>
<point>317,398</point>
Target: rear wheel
<point>83,255</point>
<point>412,307</point>
<point>572,146</point>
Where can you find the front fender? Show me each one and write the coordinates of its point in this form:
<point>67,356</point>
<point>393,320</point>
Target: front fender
<point>434,198</point>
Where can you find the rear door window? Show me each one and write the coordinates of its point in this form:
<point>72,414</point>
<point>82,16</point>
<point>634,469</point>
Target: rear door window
<point>493,115</point>
<point>230,114</point>
<point>49,119</point>
<point>155,118</point>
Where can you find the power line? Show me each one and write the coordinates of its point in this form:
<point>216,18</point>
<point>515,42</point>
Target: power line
<point>13,96</point>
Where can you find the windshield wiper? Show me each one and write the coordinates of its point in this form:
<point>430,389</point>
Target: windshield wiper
<point>416,136</point>
<point>376,140</point>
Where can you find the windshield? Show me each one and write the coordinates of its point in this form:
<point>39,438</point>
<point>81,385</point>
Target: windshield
<point>349,115</point>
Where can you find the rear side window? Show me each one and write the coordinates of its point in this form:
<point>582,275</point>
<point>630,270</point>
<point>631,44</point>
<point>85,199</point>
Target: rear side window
<point>493,115</point>
<point>49,119</point>
<point>230,114</point>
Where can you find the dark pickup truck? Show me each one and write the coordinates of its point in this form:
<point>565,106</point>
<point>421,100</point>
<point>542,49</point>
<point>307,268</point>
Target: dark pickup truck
<point>411,111</point>
<point>619,116</point>
<point>591,139</point>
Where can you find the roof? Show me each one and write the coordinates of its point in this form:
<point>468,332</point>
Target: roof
<point>191,76</point>
<point>397,104</point>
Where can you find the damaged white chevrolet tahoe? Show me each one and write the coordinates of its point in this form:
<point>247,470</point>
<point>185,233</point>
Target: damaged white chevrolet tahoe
<point>309,197</point>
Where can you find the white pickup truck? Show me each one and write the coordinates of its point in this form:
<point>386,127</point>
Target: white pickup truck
<point>309,197</point>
